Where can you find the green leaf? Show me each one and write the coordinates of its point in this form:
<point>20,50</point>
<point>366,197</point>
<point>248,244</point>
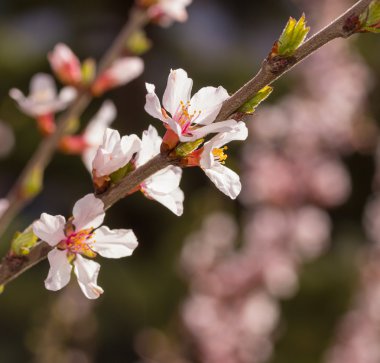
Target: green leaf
<point>370,19</point>
<point>250,106</point>
<point>138,43</point>
<point>292,36</point>
<point>188,147</point>
<point>119,174</point>
<point>23,242</point>
<point>32,185</point>
<point>2,287</point>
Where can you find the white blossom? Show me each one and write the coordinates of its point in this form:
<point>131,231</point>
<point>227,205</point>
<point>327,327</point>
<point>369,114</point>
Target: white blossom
<point>81,237</point>
<point>43,98</point>
<point>114,153</point>
<point>167,11</point>
<point>212,160</point>
<point>191,118</point>
<point>162,186</point>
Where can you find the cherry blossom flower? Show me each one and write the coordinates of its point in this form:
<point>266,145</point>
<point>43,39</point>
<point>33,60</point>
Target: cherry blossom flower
<point>65,64</point>
<point>211,158</point>
<point>114,153</point>
<point>188,118</point>
<point>166,11</point>
<point>43,101</point>
<point>89,141</point>
<point>121,71</point>
<point>163,186</point>
<point>80,236</point>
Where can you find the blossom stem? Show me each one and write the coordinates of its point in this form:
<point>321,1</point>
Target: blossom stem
<point>42,156</point>
<point>12,267</point>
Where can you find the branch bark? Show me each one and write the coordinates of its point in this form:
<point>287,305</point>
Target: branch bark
<point>13,267</point>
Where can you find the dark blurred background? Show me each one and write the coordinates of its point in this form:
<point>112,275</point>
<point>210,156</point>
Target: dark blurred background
<point>223,43</point>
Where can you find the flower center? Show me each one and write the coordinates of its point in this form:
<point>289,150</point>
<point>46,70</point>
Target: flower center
<point>219,154</point>
<point>79,242</point>
<point>184,118</point>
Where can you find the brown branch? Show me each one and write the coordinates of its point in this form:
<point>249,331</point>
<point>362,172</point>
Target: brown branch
<point>46,149</point>
<point>268,73</point>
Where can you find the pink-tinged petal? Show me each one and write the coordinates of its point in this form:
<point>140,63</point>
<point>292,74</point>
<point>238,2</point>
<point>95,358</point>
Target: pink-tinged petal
<point>226,180</point>
<point>175,9</point>
<point>173,201</point>
<point>208,101</point>
<point>165,180</point>
<point>17,95</point>
<point>88,212</point>
<point>150,146</point>
<point>60,270</point>
<point>42,87</point>
<point>217,127</point>
<point>178,89</point>
<point>50,228</point>
<point>65,64</point>
<point>152,103</point>
<point>114,243</point>
<point>87,272</point>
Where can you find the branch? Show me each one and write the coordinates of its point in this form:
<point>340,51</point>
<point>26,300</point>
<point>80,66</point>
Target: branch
<point>12,267</point>
<point>271,71</point>
<point>46,149</point>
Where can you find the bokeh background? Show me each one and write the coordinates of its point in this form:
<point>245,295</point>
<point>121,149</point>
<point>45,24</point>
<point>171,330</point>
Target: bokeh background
<point>268,277</point>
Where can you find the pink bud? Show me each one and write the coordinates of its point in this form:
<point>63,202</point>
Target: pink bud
<point>65,64</point>
<point>121,72</point>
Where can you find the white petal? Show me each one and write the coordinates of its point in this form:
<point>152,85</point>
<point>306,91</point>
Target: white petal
<point>177,89</point>
<point>97,126</point>
<point>88,157</point>
<point>226,180</point>
<point>173,201</point>
<point>175,127</point>
<point>50,228</point>
<point>124,70</point>
<point>223,126</point>
<point>87,272</point>
<point>152,103</point>
<point>17,95</point>
<point>209,101</point>
<point>66,96</point>
<point>114,243</point>
<point>130,144</point>
<point>88,212</point>
<point>238,131</point>
<point>42,85</point>
<point>165,180</point>
<point>150,146</point>
<point>60,270</point>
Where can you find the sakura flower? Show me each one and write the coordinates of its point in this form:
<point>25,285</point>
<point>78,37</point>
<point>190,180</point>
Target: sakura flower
<point>79,237</point>
<point>43,101</point>
<point>65,64</point>
<point>188,118</point>
<point>88,142</point>
<point>114,153</point>
<point>166,11</point>
<point>162,186</point>
<point>211,158</point>
<point>122,71</point>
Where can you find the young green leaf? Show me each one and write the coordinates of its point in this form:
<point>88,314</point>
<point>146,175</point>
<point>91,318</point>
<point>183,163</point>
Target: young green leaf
<point>23,242</point>
<point>291,38</point>
<point>250,106</point>
<point>33,183</point>
<point>186,148</point>
<point>370,19</point>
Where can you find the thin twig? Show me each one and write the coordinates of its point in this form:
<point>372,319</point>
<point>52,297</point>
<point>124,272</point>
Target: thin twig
<point>46,149</point>
<point>9,269</point>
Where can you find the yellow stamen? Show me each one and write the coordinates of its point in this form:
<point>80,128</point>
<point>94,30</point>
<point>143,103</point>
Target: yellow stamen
<point>219,154</point>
